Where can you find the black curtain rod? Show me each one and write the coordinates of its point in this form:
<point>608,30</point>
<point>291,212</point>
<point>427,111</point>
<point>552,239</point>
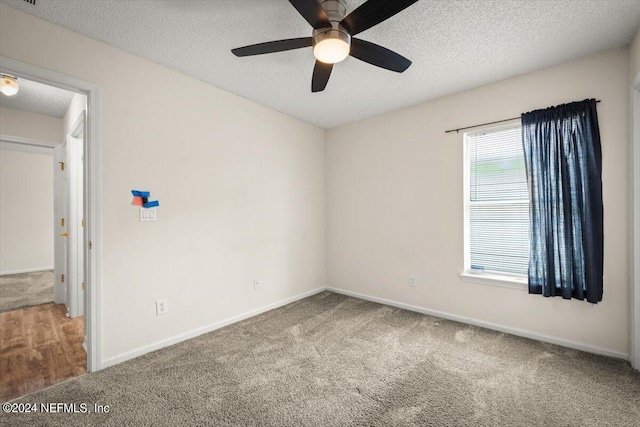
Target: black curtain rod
<point>488,123</point>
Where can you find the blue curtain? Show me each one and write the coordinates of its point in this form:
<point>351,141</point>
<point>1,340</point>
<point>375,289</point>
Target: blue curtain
<point>563,157</point>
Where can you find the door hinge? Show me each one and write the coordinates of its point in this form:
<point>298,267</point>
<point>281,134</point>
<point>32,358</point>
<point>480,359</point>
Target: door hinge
<point>83,222</point>
<point>61,165</point>
<point>83,286</point>
<point>62,222</point>
<point>90,245</point>
<point>62,278</point>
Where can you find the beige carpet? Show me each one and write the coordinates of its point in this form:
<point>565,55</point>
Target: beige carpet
<point>331,360</point>
<point>25,290</point>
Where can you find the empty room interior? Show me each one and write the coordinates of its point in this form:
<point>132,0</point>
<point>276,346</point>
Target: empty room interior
<point>320,212</point>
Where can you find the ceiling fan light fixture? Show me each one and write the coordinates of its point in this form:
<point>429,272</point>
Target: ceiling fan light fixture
<point>331,45</point>
<point>331,51</point>
<point>331,37</point>
<point>8,85</point>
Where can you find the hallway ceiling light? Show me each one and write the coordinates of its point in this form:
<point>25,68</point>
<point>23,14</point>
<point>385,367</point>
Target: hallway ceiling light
<point>9,85</point>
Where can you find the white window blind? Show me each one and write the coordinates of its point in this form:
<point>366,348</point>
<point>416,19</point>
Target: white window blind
<point>498,205</point>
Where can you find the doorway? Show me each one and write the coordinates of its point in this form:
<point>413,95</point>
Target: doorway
<point>88,242</point>
<point>41,301</point>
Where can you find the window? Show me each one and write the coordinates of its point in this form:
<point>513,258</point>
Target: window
<point>496,205</point>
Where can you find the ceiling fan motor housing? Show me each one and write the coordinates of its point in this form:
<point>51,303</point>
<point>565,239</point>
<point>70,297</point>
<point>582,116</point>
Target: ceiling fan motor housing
<point>336,11</point>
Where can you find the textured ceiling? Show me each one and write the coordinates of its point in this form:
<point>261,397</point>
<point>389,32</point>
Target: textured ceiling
<point>38,98</point>
<point>454,45</point>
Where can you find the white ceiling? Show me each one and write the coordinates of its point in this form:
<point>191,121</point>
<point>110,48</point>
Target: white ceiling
<point>38,98</point>
<point>454,45</point>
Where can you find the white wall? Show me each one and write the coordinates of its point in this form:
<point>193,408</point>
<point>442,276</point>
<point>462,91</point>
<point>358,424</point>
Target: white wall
<point>26,211</point>
<point>395,204</point>
<point>241,190</point>
<point>30,125</point>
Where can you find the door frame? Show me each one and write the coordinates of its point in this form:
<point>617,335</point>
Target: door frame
<point>634,355</point>
<point>92,192</point>
<point>60,211</point>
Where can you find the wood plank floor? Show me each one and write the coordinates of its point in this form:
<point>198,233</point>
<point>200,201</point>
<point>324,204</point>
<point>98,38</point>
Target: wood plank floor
<point>39,347</point>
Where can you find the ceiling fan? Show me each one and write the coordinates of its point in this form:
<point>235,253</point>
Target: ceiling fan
<point>332,38</point>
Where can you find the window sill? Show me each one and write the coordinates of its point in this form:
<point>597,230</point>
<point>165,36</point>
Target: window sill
<point>502,281</point>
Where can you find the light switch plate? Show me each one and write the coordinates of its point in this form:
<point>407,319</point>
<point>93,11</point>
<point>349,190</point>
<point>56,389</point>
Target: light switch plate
<point>148,214</point>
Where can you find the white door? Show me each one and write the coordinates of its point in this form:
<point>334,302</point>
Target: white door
<point>61,189</point>
<point>75,227</point>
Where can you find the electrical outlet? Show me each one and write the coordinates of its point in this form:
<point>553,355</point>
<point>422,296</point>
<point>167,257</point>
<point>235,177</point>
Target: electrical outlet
<point>256,284</point>
<point>161,307</point>
<point>412,281</point>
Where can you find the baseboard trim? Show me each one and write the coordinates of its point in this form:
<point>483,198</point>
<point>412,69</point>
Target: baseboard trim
<point>488,325</point>
<point>26,270</point>
<point>462,319</point>
<point>203,330</point>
